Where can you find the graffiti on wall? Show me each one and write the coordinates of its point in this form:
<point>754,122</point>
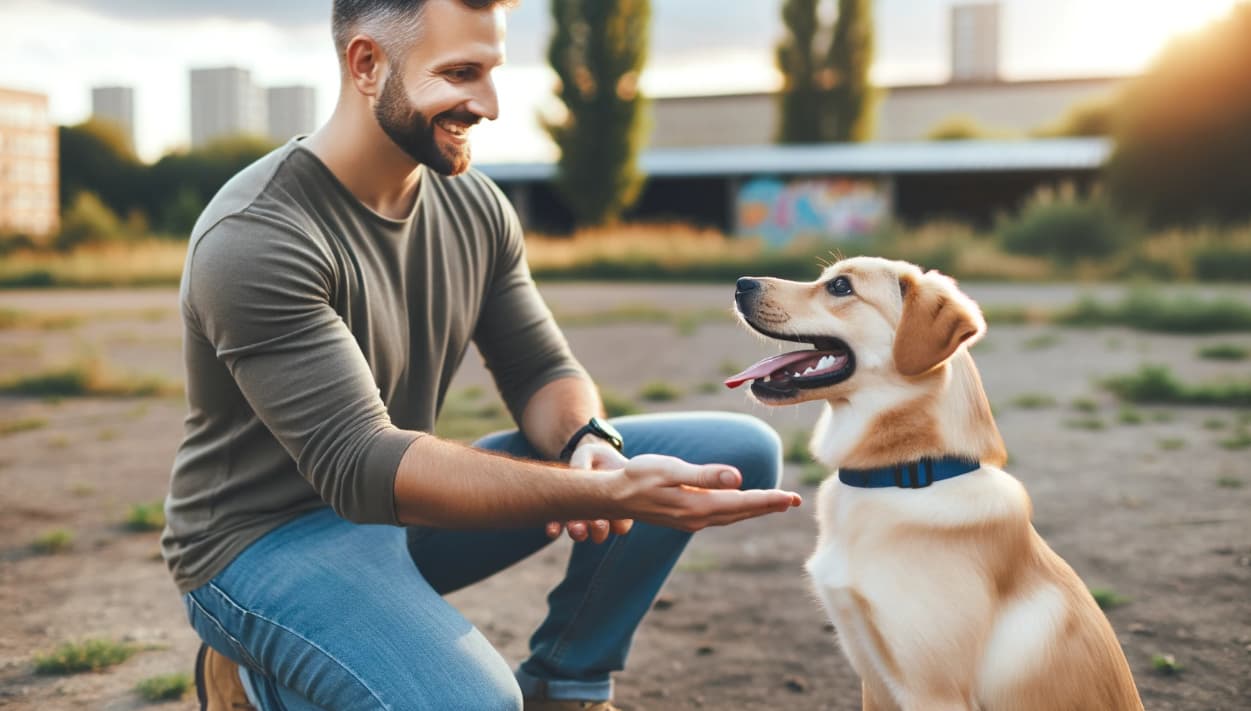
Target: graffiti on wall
<point>780,211</point>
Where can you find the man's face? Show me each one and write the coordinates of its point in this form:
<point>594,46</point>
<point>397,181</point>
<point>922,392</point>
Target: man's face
<point>431,98</point>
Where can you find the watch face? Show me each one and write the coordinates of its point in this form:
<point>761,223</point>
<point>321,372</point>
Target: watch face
<point>608,431</point>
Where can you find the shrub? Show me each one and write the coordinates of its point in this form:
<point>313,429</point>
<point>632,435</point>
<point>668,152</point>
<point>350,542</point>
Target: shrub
<point>87,221</point>
<point>1066,228</point>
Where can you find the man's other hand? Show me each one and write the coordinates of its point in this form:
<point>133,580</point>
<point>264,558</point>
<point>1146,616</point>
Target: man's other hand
<point>593,453</point>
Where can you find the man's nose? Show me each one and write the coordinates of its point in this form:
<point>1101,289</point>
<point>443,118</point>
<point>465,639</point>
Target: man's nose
<point>485,102</point>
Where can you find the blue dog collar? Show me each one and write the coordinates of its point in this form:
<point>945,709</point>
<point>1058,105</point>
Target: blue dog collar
<point>908,475</point>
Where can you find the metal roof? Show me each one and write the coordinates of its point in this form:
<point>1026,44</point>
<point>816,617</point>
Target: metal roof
<point>1041,154</point>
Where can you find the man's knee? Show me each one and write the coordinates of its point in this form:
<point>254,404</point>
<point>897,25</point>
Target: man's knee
<point>755,450</point>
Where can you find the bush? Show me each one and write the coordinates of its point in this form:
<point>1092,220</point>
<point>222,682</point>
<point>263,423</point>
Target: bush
<point>91,655</point>
<point>88,221</point>
<point>1058,225</point>
<point>1223,263</point>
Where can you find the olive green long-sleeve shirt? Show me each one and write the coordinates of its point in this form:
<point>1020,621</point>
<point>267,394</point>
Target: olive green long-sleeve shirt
<point>320,338</point>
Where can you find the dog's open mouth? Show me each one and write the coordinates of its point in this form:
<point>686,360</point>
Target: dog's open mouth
<point>782,376</point>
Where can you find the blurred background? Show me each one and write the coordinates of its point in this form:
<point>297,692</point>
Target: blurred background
<point>1082,166</point>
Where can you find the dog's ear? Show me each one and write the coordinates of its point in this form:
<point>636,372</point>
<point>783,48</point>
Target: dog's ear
<point>936,319</point>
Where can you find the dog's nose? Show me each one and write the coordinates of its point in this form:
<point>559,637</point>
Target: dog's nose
<point>746,284</point>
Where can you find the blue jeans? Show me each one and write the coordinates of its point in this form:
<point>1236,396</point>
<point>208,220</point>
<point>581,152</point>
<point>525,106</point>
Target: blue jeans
<point>322,613</point>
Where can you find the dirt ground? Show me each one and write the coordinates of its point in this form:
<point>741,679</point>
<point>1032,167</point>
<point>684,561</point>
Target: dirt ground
<point>1158,512</point>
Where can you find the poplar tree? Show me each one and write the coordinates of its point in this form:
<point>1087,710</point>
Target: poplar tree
<point>598,50</point>
<point>826,94</point>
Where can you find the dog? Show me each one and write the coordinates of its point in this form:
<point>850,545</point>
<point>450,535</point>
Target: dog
<point>943,594</point>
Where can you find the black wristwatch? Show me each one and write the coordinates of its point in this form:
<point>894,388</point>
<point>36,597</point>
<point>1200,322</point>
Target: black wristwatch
<point>600,429</point>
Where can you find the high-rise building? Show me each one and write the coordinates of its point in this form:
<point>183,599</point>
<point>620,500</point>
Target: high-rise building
<point>225,102</point>
<point>975,42</point>
<point>28,165</point>
<point>292,111</point>
<point>115,104</point>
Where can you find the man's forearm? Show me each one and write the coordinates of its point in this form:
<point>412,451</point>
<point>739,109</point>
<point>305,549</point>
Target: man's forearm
<point>556,411</point>
<point>449,485</point>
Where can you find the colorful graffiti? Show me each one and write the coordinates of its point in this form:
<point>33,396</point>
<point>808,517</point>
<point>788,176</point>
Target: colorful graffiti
<point>780,211</point>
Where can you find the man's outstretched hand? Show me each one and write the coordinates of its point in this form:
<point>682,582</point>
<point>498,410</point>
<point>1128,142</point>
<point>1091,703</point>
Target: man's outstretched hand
<point>670,492</point>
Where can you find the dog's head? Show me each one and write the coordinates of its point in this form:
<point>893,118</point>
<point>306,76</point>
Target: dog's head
<point>864,316</point>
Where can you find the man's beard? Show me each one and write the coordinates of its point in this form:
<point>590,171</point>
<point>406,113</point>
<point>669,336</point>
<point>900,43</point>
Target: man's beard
<point>414,133</point>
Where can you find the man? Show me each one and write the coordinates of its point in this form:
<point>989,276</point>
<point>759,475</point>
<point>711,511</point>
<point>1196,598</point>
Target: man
<point>330,292</point>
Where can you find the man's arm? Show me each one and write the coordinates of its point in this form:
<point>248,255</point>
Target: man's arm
<point>449,485</point>
<point>556,411</point>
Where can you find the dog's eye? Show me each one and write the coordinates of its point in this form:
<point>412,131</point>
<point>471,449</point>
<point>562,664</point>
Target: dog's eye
<point>839,286</point>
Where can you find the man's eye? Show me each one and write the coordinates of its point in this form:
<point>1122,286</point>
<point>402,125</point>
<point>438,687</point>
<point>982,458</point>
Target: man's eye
<point>463,74</point>
<point>840,286</point>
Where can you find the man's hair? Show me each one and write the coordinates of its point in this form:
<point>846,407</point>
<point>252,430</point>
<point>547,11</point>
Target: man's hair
<point>394,24</point>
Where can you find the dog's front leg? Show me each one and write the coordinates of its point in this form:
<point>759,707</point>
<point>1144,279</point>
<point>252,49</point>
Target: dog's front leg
<point>872,699</point>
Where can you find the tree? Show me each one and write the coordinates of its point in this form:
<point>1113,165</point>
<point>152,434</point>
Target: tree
<point>598,50</point>
<point>95,157</point>
<point>799,101</point>
<point>830,99</point>
<point>849,95</point>
<point>1183,148</point>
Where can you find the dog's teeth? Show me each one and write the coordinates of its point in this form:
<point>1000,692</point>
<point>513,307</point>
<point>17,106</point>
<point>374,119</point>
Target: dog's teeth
<point>767,378</point>
<point>825,362</point>
<point>808,370</point>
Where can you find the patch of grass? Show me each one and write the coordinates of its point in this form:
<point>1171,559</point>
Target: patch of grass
<point>797,448</point>
<point>729,367</point>
<point>1165,664</point>
<point>1085,404</point>
<point>88,655</point>
<point>58,442</point>
<point>698,562</point>
<point>813,474</point>
<point>1033,401</point>
<point>12,319</point>
<point>1129,416</point>
<point>1170,443</point>
<point>1229,482</point>
<point>1214,423</point>
<point>616,404</point>
<point>709,388</point>
<point>659,391</point>
<point>1224,351</point>
<point>1040,342</point>
<point>1240,440</point>
<point>23,424</point>
<point>1147,311</point>
<point>88,378</point>
<point>1157,384</point>
<point>55,541</point>
<point>82,489</point>
<point>1162,416</point>
<point>145,517</point>
<point>108,434</point>
<point>1085,423</point>
<point>685,321</point>
<point>1108,599</point>
<point>131,263</point>
<point>465,416</point>
<point>165,687</point>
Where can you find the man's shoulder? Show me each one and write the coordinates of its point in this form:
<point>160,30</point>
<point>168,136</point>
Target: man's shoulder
<point>248,188</point>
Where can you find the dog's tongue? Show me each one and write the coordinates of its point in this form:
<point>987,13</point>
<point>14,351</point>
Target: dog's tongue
<point>766,366</point>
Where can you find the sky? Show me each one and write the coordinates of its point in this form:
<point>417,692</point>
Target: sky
<point>64,47</point>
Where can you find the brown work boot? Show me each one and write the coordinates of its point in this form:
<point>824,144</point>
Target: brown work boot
<point>568,705</point>
<point>217,682</point>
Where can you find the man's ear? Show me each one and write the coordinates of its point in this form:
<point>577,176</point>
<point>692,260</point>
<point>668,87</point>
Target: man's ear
<point>936,319</point>
<point>364,63</point>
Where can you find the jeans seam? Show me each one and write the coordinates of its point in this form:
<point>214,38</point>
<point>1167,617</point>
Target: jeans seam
<point>307,641</point>
<point>238,645</point>
<point>561,643</point>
